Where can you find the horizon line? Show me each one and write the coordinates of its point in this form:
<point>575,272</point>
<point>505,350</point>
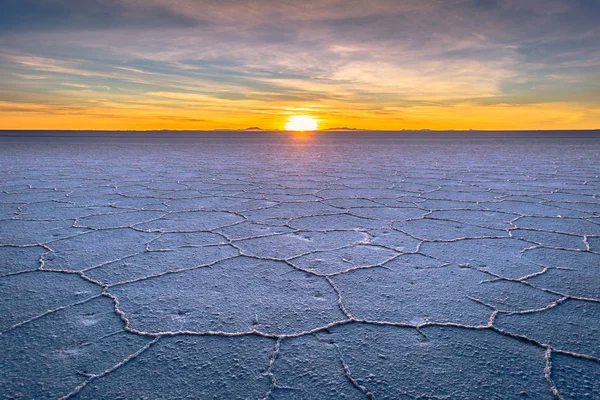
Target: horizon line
<point>286,131</point>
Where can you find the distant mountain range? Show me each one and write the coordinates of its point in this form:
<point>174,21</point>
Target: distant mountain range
<point>343,129</point>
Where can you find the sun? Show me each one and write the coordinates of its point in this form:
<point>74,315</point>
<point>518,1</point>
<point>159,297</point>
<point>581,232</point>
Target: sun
<point>302,123</point>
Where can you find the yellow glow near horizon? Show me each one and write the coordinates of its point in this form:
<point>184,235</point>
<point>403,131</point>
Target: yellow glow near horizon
<point>177,115</point>
<point>302,123</point>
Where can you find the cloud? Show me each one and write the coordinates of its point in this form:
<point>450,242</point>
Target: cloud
<point>260,57</point>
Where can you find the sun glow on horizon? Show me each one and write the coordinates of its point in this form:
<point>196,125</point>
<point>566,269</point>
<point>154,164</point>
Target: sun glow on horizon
<point>302,123</point>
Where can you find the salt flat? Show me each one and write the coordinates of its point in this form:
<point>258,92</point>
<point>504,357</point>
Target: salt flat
<point>263,265</point>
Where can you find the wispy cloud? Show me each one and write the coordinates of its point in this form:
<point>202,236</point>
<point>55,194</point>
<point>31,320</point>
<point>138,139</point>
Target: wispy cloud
<point>239,62</point>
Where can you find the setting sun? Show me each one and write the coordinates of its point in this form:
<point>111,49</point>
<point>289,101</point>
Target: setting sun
<point>302,123</point>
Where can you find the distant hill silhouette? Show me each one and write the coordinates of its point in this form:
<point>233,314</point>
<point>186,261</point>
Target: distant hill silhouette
<point>343,129</point>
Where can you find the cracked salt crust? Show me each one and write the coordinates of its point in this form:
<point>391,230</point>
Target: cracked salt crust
<point>368,272</point>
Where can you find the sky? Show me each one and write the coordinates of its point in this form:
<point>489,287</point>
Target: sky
<point>234,64</point>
